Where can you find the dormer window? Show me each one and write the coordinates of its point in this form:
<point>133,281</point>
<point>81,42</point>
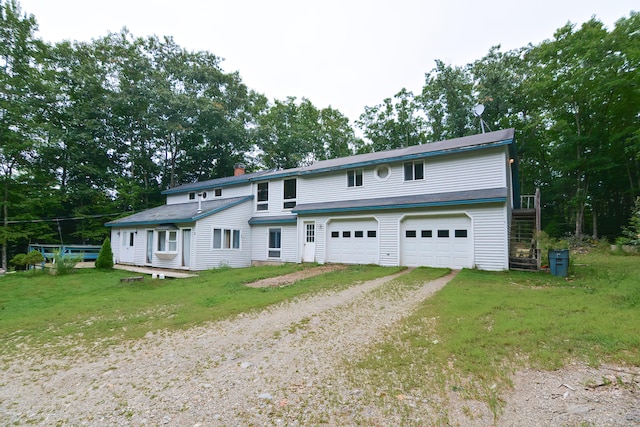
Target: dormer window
<point>354,178</point>
<point>413,171</point>
<point>289,194</point>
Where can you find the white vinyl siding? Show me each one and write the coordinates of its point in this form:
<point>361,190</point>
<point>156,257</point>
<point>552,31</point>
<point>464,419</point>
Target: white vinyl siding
<point>491,237</point>
<point>442,174</point>
<point>288,242</point>
<point>229,222</point>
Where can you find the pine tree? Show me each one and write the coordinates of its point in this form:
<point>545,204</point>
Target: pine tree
<point>105,256</point>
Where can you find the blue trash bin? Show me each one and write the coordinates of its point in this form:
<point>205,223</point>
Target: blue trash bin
<point>559,262</point>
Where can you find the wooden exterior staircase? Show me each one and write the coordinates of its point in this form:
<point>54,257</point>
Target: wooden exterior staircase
<point>524,253</point>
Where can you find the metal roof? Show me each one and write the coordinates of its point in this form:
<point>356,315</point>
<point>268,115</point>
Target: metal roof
<point>466,143</point>
<point>492,195</point>
<point>177,213</point>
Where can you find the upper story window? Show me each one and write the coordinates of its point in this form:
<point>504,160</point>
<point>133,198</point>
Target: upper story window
<point>218,192</point>
<point>192,195</point>
<point>413,171</point>
<point>263,196</point>
<point>289,194</point>
<point>354,178</point>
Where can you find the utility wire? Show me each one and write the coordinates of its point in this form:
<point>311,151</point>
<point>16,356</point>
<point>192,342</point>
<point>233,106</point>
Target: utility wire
<point>22,221</point>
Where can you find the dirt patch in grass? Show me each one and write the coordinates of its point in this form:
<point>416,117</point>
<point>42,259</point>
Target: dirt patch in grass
<point>288,279</point>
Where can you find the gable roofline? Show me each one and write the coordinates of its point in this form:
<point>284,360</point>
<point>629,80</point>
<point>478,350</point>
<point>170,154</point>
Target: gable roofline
<point>215,183</point>
<point>456,145</point>
<point>177,213</point>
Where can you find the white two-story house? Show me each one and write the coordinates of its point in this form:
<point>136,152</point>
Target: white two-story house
<point>443,204</point>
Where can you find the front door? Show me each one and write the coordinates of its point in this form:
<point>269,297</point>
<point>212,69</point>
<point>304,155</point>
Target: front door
<point>127,252</point>
<point>309,243</point>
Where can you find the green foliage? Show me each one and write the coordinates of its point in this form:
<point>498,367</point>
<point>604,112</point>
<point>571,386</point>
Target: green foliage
<point>19,261</point>
<point>93,306</point>
<point>105,256</point>
<point>393,124</point>
<point>34,258</point>
<point>631,233</point>
<point>64,264</point>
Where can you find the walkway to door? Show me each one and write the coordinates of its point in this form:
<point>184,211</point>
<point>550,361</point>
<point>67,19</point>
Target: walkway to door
<point>147,270</point>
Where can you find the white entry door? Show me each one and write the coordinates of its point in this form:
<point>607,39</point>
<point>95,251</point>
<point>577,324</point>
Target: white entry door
<point>127,248</point>
<point>309,242</point>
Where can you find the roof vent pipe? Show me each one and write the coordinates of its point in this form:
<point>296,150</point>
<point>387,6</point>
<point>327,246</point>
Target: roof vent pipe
<point>199,203</point>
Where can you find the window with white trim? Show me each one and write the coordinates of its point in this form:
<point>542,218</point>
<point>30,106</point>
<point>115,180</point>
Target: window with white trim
<point>225,238</point>
<point>413,171</point>
<point>289,193</point>
<point>167,241</point>
<point>354,178</point>
<point>263,196</point>
<point>275,242</point>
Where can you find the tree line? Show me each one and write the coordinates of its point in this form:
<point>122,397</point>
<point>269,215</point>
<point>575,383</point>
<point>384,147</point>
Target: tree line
<point>92,130</point>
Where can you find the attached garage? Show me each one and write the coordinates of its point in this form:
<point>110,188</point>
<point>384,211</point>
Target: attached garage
<point>353,241</point>
<point>439,241</point>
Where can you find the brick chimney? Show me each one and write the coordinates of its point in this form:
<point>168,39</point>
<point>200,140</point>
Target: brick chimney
<point>238,169</point>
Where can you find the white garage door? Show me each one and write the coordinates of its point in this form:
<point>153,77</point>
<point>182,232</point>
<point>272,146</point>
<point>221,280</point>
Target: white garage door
<point>353,241</point>
<point>437,242</point>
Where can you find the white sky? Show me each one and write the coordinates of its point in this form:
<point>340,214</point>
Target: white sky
<point>344,53</point>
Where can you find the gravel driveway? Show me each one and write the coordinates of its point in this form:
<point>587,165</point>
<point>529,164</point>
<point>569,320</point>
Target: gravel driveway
<point>281,366</point>
<point>251,370</point>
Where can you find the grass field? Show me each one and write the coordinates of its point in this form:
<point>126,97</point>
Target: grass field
<point>478,329</point>
<point>90,308</point>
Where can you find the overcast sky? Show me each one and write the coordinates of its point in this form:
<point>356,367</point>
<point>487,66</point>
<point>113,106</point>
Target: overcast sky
<point>344,53</point>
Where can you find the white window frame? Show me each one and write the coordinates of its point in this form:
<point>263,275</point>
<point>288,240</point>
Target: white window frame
<point>228,239</point>
<point>275,246</point>
<point>165,242</point>
<point>414,169</point>
<point>262,204</point>
<point>352,178</point>
<point>289,202</point>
